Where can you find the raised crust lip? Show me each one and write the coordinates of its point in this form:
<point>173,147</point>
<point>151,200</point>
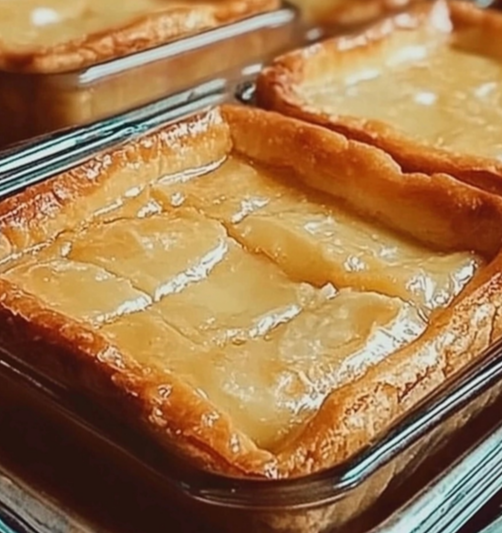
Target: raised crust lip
<point>174,414</point>
<point>140,34</point>
<point>276,90</point>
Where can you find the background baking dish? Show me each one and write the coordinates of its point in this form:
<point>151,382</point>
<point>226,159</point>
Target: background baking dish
<point>32,104</point>
<point>390,119</point>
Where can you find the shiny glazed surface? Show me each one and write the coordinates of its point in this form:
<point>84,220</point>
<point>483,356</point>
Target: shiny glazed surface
<point>261,296</point>
<point>438,93</point>
<point>35,23</point>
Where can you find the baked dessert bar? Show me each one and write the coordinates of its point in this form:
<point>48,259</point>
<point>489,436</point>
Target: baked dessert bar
<point>66,63</point>
<point>425,86</point>
<point>347,12</point>
<point>258,294</point>
<point>59,36</point>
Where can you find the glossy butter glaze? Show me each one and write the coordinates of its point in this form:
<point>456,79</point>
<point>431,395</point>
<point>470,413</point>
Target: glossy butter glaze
<point>315,240</point>
<point>447,96</point>
<point>196,276</point>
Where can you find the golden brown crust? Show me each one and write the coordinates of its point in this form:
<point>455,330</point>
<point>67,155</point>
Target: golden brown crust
<point>417,203</point>
<point>76,194</point>
<point>161,404</point>
<point>140,34</point>
<point>355,415</point>
<point>277,90</point>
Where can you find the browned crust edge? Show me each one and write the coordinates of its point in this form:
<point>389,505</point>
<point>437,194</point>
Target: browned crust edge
<point>355,416</point>
<point>175,415</point>
<point>413,202</point>
<point>277,90</point>
<point>140,34</point>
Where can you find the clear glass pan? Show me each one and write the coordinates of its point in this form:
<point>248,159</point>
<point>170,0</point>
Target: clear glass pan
<point>33,104</point>
<point>44,424</point>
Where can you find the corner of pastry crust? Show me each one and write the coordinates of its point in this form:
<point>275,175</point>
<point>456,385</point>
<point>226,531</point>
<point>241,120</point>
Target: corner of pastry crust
<point>161,404</point>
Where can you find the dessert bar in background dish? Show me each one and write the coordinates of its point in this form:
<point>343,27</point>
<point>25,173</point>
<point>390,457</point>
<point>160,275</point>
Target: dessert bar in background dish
<point>65,64</point>
<point>60,36</point>
<point>347,12</point>
<point>258,294</point>
<point>425,86</point>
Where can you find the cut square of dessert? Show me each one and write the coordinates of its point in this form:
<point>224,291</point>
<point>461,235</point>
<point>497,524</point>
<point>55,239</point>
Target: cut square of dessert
<point>237,298</point>
<point>424,85</point>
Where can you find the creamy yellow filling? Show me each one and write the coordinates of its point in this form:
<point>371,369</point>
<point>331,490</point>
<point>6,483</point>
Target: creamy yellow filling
<point>261,348</point>
<point>185,261</point>
<point>79,290</point>
<point>244,288</point>
<point>442,95</point>
<point>273,382</point>
<point>315,240</point>
<point>34,23</point>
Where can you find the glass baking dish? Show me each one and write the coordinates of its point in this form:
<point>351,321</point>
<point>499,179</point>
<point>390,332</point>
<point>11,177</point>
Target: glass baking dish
<point>56,467</point>
<point>35,159</point>
<point>33,104</point>
<point>447,504</point>
<point>338,497</point>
